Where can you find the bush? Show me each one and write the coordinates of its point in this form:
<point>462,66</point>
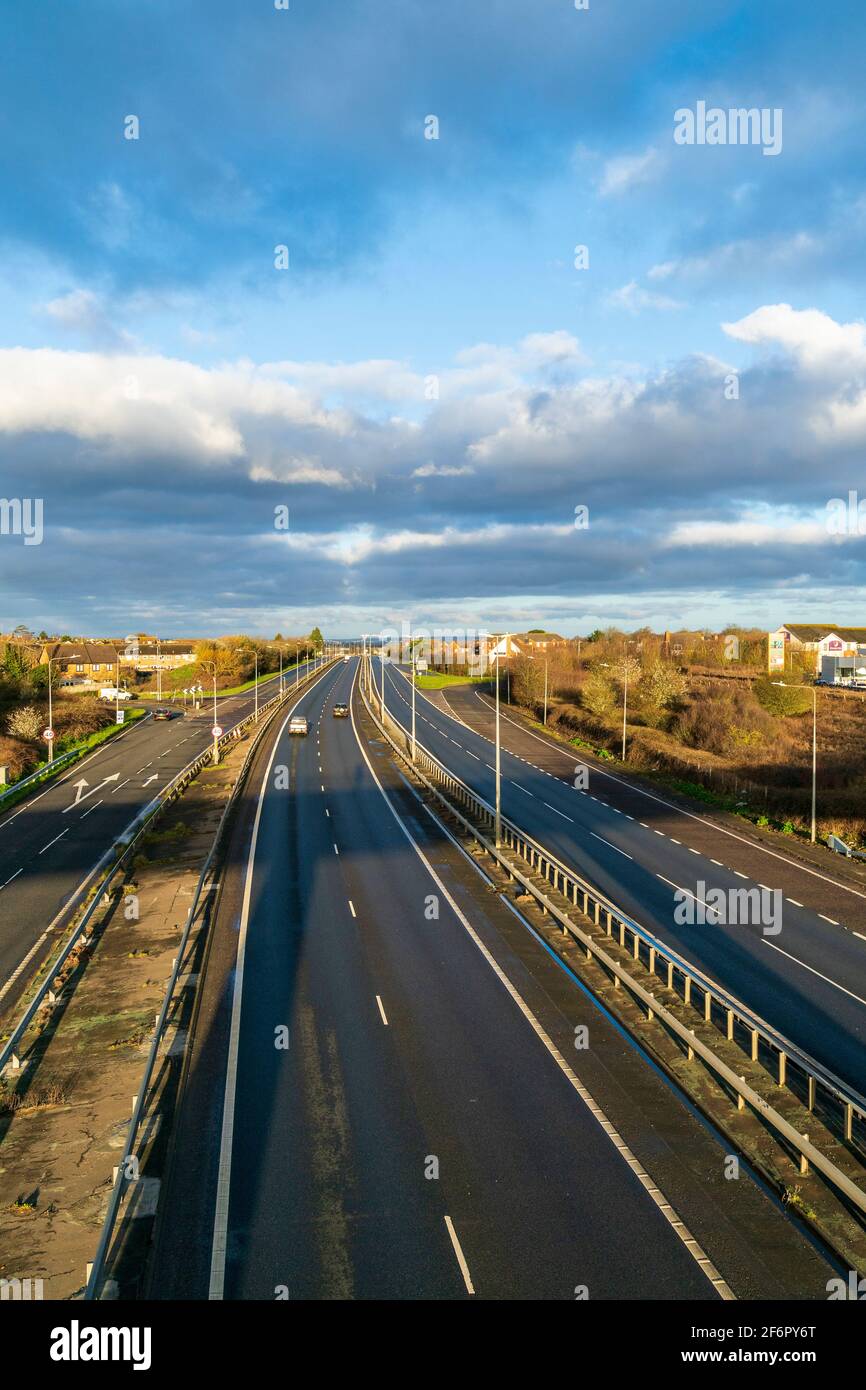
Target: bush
<point>24,723</point>
<point>722,722</point>
<point>782,700</point>
<point>597,694</point>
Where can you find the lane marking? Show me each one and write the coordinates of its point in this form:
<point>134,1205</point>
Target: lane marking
<point>521,789</point>
<point>54,841</point>
<point>3,885</point>
<point>461,1258</point>
<point>381,1009</point>
<point>336,851</point>
<point>92,808</point>
<point>609,844</point>
<point>119,785</point>
<point>559,813</point>
<point>352,908</point>
<point>831,920</point>
<point>812,971</point>
<point>679,1227</point>
<point>623,784</point>
<point>219,1245</point>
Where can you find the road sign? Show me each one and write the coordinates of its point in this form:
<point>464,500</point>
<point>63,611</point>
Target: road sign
<point>119,716</point>
<point>48,735</point>
<point>216,730</point>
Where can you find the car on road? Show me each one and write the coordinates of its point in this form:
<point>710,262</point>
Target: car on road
<point>111,692</point>
<point>341,710</point>
<point>163,713</point>
<point>299,725</point>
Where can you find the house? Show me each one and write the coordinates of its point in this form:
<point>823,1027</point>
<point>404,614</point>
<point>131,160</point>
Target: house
<point>539,641</point>
<point>82,663</point>
<point>149,654</point>
<point>817,639</point>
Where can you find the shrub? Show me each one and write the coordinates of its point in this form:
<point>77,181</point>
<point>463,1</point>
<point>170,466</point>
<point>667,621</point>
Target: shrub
<point>597,694</point>
<point>24,723</point>
<point>782,699</point>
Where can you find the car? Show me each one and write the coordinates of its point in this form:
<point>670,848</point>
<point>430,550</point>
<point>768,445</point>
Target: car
<point>299,725</point>
<point>341,711</point>
<point>111,692</point>
<point>163,713</point>
<point>347,657</point>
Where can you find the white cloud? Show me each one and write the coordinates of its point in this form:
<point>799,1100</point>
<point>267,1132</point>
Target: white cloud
<point>811,336</point>
<point>760,527</point>
<point>634,298</point>
<point>83,312</point>
<point>627,171</point>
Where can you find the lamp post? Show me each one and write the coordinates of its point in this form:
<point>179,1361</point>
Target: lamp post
<point>216,750</point>
<point>158,673</point>
<point>545,692</point>
<point>256,655</point>
<point>625,694</point>
<point>50,741</point>
<point>498,822</point>
<point>814,689</point>
<point>412,659</point>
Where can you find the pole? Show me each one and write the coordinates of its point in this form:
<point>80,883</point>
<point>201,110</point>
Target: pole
<point>382,695</point>
<point>413,703</point>
<point>216,750</point>
<point>545,693</point>
<point>624,705</point>
<point>50,715</point>
<point>116,688</point>
<point>281,673</point>
<point>256,717</point>
<point>158,673</point>
<point>814,755</point>
<point>498,834</point>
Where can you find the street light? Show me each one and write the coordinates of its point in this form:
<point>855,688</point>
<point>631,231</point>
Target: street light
<point>545,692</point>
<point>216,750</point>
<point>498,822</point>
<point>256,655</point>
<point>814,689</point>
<point>50,741</point>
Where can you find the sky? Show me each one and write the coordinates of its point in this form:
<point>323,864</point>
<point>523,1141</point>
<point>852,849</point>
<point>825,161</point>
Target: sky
<point>364,313</point>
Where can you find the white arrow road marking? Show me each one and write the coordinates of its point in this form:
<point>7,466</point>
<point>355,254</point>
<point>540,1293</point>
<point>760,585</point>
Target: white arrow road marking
<point>113,778</point>
<point>80,785</point>
<point>152,778</point>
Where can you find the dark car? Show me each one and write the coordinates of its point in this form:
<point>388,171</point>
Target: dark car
<point>341,711</point>
<point>163,714</point>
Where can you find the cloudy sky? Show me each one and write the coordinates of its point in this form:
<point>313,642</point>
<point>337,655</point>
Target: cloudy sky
<point>437,379</point>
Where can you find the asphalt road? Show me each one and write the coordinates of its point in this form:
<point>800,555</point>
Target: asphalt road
<point>808,980</point>
<point>51,843</point>
<point>408,1056</point>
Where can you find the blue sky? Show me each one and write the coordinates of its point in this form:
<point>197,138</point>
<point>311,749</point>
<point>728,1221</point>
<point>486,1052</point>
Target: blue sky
<point>163,388</point>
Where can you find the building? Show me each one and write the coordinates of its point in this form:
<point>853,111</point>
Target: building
<point>537,641</point>
<point>82,664</point>
<point>843,670</point>
<point>149,654</point>
<point>815,640</point>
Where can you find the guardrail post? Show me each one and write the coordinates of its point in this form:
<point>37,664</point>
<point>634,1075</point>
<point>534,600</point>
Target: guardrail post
<point>691,1050</point>
<point>849,1121</point>
<point>687,989</point>
<point>730,1028</point>
<point>783,1067</point>
<point>652,960</point>
<point>741,1104</point>
<point>804,1162</point>
<point>597,912</point>
<point>810,1102</point>
<point>670,974</point>
<point>756,1037</point>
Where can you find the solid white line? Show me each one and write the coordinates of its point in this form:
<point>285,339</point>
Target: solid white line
<point>221,1212</point>
<point>119,785</point>
<point>381,1009</point>
<point>521,789</point>
<point>826,978</point>
<point>54,841</point>
<point>658,1197</point>
<point>9,880</point>
<point>461,1258</point>
<point>92,808</point>
<point>559,813</point>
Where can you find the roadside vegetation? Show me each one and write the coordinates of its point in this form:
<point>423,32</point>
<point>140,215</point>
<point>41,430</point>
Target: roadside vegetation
<point>234,661</point>
<point>712,727</point>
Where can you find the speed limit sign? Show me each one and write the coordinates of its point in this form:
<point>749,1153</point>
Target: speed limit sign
<point>216,730</point>
<point>48,735</point>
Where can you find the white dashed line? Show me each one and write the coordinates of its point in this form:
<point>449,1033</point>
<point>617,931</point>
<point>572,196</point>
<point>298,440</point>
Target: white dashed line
<point>559,813</point>
<point>53,842</point>
<point>461,1258</point>
<point>381,1010</point>
<point>352,908</point>
<point>609,845</point>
